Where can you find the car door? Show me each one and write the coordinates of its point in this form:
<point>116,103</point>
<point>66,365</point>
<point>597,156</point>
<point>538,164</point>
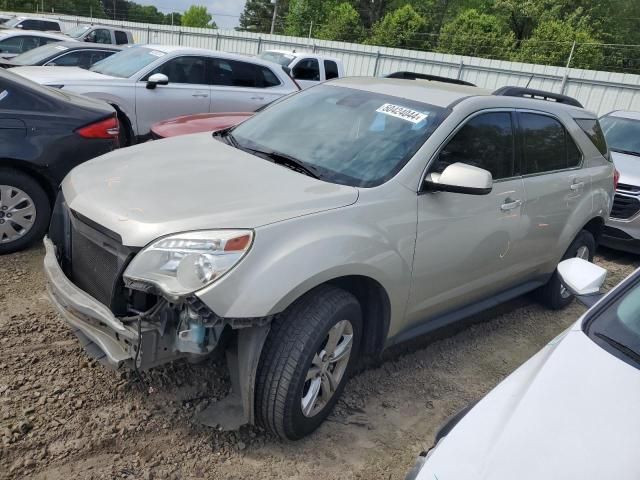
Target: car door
<point>241,86</point>
<point>553,181</point>
<point>306,72</point>
<point>188,92</point>
<point>467,246</point>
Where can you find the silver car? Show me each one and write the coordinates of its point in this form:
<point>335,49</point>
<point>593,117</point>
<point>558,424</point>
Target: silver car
<point>13,42</point>
<point>339,221</point>
<point>622,132</point>
<point>147,84</point>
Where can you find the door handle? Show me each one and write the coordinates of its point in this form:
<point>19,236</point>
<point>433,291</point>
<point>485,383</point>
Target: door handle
<point>510,204</point>
<point>200,95</point>
<point>257,98</point>
<point>577,186</point>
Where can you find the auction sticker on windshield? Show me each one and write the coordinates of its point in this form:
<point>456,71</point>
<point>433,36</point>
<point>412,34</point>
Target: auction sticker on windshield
<point>403,113</point>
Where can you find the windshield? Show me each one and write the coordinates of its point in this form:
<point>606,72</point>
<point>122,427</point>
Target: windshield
<point>276,57</point>
<point>78,31</point>
<point>13,22</point>
<point>617,328</point>
<point>37,55</point>
<point>127,63</point>
<point>622,134</point>
<point>347,136</point>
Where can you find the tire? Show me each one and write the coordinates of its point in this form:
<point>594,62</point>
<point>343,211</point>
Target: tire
<point>293,348</point>
<point>124,136</point>
<point>13,236</point>
<point>553,295</point>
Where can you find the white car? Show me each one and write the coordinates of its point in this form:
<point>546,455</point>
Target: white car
<point>42,24</point>
<point>569,413</point>
<point>307,69</point>
<point>13,42</point>
<point>147,84</point>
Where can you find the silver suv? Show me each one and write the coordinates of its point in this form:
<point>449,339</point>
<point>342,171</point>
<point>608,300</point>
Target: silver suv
<point>338,221</point>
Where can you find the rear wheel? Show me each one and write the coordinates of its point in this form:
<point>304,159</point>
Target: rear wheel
<point>24,211</point>
<point>554,295</point>
<point>306,361</point>
<point>125,137</point>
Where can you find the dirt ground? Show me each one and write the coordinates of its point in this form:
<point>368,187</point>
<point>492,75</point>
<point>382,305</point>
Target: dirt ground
<point>62,416</point>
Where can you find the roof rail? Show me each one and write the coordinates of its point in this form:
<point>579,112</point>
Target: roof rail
<point>424,76</point>
<point>537,95</point>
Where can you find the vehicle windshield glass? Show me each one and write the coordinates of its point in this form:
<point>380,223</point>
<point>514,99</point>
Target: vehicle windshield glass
<point>78,31</point>
<point>127,63</point>
<point>13,22</point>
<point>39,54</point>
<point>622,134</point>
<point>351,137</point>
<point>617,328</point>
<point>277,57</point>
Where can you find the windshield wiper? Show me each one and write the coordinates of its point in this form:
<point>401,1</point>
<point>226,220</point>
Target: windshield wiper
<point>632,354</point>
<point>286,161</point>
<point>626,152</point>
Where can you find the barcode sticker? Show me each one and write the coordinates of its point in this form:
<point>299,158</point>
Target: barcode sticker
<point>403,113</point>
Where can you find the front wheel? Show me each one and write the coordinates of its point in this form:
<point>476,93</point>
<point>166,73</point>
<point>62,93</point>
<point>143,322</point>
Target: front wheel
<point>306,361</point>
<point>554,294</point>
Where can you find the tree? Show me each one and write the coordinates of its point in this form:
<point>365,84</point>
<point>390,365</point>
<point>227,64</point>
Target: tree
<point>478,35</point>
<point>344,25</point>
<point>198,16</point>
<point>551,43</point>
<point>257,15</point>
<point>303,13</point>
<point>403,28</point>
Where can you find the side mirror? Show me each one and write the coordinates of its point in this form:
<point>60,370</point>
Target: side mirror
<point>157,79</point>
<point>460,178</point>
<point>20,26</point>
<point>583,279</point>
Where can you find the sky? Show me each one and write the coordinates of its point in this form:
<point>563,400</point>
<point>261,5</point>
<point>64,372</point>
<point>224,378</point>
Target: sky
<point>225,12</point>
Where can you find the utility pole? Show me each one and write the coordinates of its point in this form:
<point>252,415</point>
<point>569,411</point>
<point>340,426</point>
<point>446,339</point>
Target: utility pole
<point>275,13</point>
<point>114,9</point>
<point>310,28</point>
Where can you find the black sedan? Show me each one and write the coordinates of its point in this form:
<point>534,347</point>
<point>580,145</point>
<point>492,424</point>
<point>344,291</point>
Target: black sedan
<point>62,54</point>
<point>44,133</point>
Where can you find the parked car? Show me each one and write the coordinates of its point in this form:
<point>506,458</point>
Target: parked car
<point>62,54</point>
<point>101,34</point>
<point>307,69</point>
<point>622,132</point>
<point>44,133</point>
<point>147,84</point>
<point>570,412</point>
<point>202,122</point>
<point>33,23</point>
<point>339,221</point>
<point>15,42</point>
<point>5,18</point>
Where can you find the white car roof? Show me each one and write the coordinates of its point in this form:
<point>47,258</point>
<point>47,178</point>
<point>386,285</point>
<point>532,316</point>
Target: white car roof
<point>43,19</point>
<point>304,54</point>
<point>12,32</point>
<point>625,114</point>
<point>178,50</point>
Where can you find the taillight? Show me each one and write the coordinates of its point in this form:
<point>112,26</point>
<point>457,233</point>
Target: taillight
<point>104,129</point>
<point>616,177</point>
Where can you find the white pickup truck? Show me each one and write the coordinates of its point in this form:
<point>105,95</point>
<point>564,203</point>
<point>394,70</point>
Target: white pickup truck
<point>307,69</point>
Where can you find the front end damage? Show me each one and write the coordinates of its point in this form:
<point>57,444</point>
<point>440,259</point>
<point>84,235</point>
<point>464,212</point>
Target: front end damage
<point>129,326</point>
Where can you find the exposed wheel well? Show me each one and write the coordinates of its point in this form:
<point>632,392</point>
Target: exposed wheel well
<point>595,226</point>
<point>25,168</point>
<point>122,117</point>
<point>376,310</point>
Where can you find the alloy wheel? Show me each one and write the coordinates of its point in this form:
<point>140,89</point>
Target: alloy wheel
<point>17,213</point>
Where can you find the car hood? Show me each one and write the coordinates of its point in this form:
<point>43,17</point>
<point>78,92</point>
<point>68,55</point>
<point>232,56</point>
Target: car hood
<point>202,122</point>
<point>571,412</point>
<point>59,75</point>
<point>628,166</point>
<point>192,182</point>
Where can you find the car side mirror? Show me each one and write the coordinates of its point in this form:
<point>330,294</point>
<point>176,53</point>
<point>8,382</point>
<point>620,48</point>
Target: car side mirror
<point>157,79</point>
<point>460,178</point>
<point>583,279</point>
<point>20,26</point>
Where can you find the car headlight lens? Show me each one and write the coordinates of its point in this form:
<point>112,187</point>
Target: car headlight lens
<point>181,264</point>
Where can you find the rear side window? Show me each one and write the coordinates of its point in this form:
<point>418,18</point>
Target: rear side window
<point>591,127</point>
<point>547,146</point>
<point>52,26</point>
<point>486,141</point>
<point>121,38</point>
<point>307,69</point>
<point>232,73</point>
<point>330,69</point>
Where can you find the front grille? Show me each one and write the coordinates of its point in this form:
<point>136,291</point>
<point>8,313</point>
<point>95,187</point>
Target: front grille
<point>626,188</point>
<point>624,207</point>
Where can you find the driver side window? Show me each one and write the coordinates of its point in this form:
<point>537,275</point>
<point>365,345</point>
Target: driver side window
<point>486,141</point>
<point>190,70</point>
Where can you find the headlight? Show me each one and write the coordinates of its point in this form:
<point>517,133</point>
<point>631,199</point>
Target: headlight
<point>181,264</point>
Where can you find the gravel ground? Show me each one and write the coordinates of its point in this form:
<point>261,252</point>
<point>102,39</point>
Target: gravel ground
<point>63,416</point>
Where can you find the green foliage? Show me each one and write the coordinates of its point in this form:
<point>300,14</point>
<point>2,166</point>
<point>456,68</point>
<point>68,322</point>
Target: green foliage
<point>257,15</point>
<point>198,16</point>
<point>302,13</point>
<point>343,24</point>
<point>402,28</point>
<point>551,43</point>
<point>477,34</point>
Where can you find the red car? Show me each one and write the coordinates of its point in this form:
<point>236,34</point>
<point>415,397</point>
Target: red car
<point>203,122</point>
